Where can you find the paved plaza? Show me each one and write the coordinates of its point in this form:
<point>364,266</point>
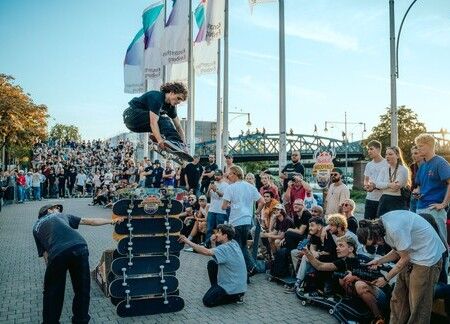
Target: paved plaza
<point>22,273</point>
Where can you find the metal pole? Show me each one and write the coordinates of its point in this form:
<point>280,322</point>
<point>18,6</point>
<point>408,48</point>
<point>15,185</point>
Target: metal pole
<point>190,140</point>
<point>394,122</point>
<point>346,149</point>
<point>145,135</point>
<point>282,100</point>
<point>164,67</point>
<point>225,132</point>
<point>219,151</point>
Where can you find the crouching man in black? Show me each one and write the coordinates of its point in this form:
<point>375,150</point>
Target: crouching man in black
<point>227,271</point>
<point>63,248</point>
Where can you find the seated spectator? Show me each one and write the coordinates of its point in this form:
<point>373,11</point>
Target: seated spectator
<point>266,212</point>
<point>281,223</point>
<point>317,211</point>
<point>267,185</point>
<point>347,209</point>
<point>301,217</point>
<point>375,298</point>
<point>297,188</point>
<point>309,200</point>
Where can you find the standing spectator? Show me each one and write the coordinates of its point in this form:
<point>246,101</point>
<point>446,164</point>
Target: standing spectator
<point>291,169</point>
<point>433,182</point>
<point>418,249</point>
<point>64,249</point>
<point>216,215</point>
<point>208,173</point>
<point>193,174</point>
<point>373,168</point>
<point>28,181</point>
<point>148,173</point>
<point>169,175</point>
<point>80,182</point>
<point>52,190</point>
<point>337,192</point>
<point>309,200</point>
<point>157,174</point>
<point>413,168</point>
<point>226,271</point>
<point>71,180</point>
<point>62,184</point>
<point>228,164</point>
<point>242,196</point>
<point>21,183</point>
<point>180,175</point>
<point>36,185</point>
<point>391,180</point>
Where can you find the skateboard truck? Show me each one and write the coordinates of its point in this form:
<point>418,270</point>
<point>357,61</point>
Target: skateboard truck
<point>124,283</point>
<point>161,274</point>
<point>128,298</point>
<point>165,295</point>
<point>130,242</point>
<point>130,257</point>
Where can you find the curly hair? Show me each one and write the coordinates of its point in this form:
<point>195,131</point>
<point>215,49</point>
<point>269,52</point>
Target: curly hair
<point>175,87</point>
<point>338,220</point>
<point>370,230</point>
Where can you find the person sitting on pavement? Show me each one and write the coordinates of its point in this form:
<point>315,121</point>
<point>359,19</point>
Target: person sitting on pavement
<point>269,203</point>
<point>347,209</point>
<point>227,271</point>
<point>281,223</point>
<point>347,263</point>
<point>64,249</point>
<point>199,229</point>
<point>317,211</point>
<point>268,185</point>
<point>301,217</point>
<point>296,189</point>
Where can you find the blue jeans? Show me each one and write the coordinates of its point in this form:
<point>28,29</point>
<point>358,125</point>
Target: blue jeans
<point>37,193</point>
<point>241,237</point>
<point>20,193</point>
<point>212,220</point>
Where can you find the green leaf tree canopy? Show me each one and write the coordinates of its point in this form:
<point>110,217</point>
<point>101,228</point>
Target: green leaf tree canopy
<point>65,133</point>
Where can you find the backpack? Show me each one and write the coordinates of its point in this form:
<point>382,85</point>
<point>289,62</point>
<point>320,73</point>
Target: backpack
<point>281,263</point>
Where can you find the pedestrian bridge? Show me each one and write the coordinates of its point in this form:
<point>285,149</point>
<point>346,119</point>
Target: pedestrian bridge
<point>265,147</point>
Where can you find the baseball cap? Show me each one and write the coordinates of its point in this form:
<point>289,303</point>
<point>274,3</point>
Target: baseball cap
<point>44,209</point>
<point>227,156</point>
<point>337,170</point>
<point>156,162</point>
<point>279,206</point>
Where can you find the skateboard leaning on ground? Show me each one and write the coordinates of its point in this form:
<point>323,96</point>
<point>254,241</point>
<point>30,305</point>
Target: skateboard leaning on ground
<point>171,151</point>
<point>142,265</point>
<point>149,306</point>
<point>152,205</point>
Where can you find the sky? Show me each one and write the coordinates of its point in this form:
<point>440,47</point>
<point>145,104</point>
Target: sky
<point>69,56</point>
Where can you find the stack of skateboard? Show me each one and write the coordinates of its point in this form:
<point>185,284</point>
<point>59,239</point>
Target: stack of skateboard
<point>143,271</point>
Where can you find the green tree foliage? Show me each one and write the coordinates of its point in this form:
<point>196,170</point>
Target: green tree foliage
<point>22,123</point>
<point>408,128</point>
<point>65,133</point>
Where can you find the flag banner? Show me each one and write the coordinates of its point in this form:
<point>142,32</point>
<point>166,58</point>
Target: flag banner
<point>252,3</point>
<point>215,19</point>
<point>199,15</point>
<point>205,57</point>
<point>174,45</point>
<point>153,23</point>
<point>133,66</point>
<point>178,73</point>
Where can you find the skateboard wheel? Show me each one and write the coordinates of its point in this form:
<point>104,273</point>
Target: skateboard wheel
<point>331,311</point>
<point>123,269</point>
<point>128,225</point>
<point>303,302</point>
<point>130,263</point>
<point>130,249</point>
<point>127,291</point>
<point>166,302</point>
<point>124,284</point>
<point>130,243</point>
<point>163,281</point>
<point>161,267</point>
<point>127,306</point>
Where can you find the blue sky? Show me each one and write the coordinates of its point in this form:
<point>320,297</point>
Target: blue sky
<point>69,56</point>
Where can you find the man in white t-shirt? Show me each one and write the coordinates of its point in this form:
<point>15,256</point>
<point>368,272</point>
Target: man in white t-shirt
<point>241,197</point>
<point>337,193</point>
<point>418,250</point>
<point>216,215</point>
<point>371,172</point>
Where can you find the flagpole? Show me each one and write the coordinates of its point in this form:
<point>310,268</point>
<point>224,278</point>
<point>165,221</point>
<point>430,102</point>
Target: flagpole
<point>219,152</point>
<point>225,132</point>
<point>165,19</point>
<point>282,157</point>
<point>190,140</point>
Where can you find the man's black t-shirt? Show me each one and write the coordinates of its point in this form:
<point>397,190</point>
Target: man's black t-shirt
<point>346,264</point>
<point>302,220</point>
<point>182,181</point>
<point>149,178</point>
<point>209,168</point>
<point>352,224</point>
<point>193,173</point>
<point>158,172</point>
<point>154,101</point>
<point>292,168</point>
<point>328,245</point>
<point>56,233</point>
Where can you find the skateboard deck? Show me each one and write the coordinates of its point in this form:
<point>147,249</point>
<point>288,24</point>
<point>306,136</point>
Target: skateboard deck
<point>149,226</point>
<point>115,301</point>
<point>143,286</point>
<point>171,150</point>
<point>147,207</point>
<point>149,244</point>
<point>150,306</point>
<point>142,265</point>
<point>288,280</point>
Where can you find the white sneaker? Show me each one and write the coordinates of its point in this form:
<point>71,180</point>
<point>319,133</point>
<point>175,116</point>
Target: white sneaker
<point>188,249</point>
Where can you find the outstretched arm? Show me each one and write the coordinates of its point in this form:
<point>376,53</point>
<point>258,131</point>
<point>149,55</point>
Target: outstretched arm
<point>155,127</point>
<point>100,221</point>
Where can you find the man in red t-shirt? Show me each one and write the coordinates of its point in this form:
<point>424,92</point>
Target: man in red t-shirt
<point>297,189</point>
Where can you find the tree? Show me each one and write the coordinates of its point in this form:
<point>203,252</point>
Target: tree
<point>65,133</point>
<point>408,128</point>
<point>22,123</point>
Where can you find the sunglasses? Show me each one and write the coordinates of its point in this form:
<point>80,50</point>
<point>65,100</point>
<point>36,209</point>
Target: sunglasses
<point>345,205</point>
<point>267,197</point>
<point>333,174</point>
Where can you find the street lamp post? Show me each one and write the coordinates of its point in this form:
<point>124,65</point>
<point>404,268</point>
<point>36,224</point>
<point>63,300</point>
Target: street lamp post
<point>248,123</point>
<point>345,136</point>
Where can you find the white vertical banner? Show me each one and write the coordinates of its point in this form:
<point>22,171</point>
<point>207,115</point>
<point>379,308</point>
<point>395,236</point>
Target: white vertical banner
<point>178,73</point>
<point>174,47</point>
<point>133,66</point>
<point>205,58</point>
<point>153,22</point>
<point>215,19</point>
<point>252,3</point>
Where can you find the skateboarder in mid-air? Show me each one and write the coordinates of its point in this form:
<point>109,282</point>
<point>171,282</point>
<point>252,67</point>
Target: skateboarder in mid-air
<point>155,112</point>
<point>63,248</point>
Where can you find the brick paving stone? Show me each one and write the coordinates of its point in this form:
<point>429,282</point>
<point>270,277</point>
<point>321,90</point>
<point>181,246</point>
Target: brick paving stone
<point>22,273</point>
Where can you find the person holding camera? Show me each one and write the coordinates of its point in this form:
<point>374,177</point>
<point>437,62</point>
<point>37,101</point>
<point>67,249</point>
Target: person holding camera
<point>297,188</point>
<point>295,167</point>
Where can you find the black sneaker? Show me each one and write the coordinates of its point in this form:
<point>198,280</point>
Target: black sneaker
<point>240,300</point>
<point>252,272</point>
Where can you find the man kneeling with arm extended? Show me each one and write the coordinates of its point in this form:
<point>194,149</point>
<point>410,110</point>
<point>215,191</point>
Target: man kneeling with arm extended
<point>227,271</point>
